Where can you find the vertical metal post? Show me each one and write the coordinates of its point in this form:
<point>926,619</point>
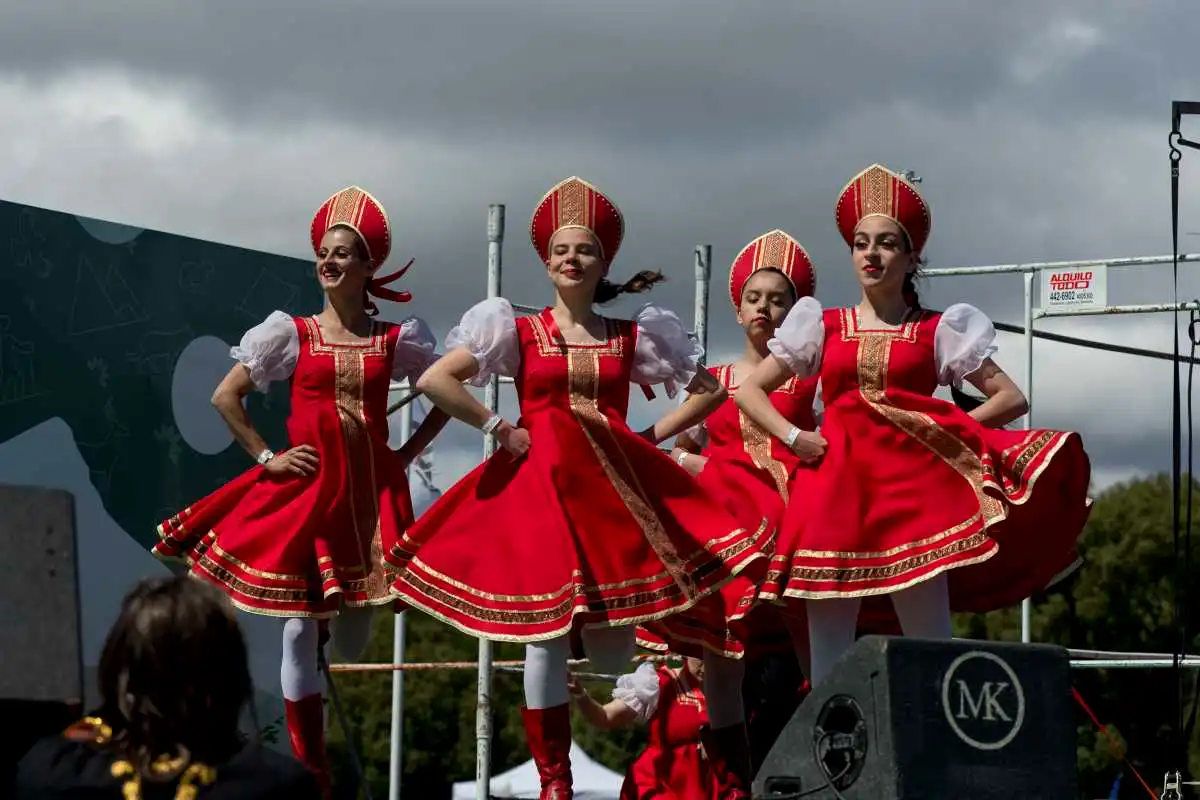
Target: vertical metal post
<point>396,771</point>
<point>1027,604</point>
<point>703,268</point>
<point>483,696</point>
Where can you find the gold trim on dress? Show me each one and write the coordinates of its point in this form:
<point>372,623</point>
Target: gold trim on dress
<point>755,440</point>
<point>684,692</point>
<point>583,375</point>
<point>349,360</point>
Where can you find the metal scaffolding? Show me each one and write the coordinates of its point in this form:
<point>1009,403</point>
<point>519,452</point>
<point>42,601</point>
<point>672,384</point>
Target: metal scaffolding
<point>702,268</point>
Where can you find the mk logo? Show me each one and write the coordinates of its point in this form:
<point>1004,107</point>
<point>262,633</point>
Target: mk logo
<point>988,701</point>
<point>983,700</point>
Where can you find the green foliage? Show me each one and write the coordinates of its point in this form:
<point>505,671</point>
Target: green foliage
<point>439,714</point>
<point>1121,599</point>
<point>272,733</point>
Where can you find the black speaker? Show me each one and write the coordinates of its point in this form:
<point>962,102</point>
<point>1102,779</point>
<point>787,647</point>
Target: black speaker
<point>909,719</point>
<point>40,638</point>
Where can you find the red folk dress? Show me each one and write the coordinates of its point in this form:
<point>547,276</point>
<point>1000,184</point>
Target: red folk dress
<point>672,766</point>
<point>911,486</point>
<point>594,526</point>
<point>297,546</point>
<point>749,473</point>
<point>752,474</point>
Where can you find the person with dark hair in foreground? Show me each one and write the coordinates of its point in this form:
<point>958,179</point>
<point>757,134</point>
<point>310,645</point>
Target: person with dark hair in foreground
<point>174,680</point>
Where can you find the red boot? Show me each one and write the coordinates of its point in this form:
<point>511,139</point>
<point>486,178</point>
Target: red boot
<point>549,733</point>
<point>306,727</point>
<point>728,753</point>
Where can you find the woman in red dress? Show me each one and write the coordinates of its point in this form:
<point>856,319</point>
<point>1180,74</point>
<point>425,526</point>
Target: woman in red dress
<point>579,524</point>
<point>670,702</point>
<point>740,464</point>
<point>913,498</point>
<point>734,460</point>
<point>302,534</point>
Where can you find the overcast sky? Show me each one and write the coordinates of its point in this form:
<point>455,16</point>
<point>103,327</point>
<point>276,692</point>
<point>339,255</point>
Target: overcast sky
<point>1039,129</point>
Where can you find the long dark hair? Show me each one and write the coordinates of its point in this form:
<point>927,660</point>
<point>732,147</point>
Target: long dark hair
<point>174,676</point>
<point>963,400</point>
<point>607,291</point>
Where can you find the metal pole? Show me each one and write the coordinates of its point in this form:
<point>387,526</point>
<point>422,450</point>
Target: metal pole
<point>1116,263</point>
<point>483,691</point>
<point>1146,308</point>
<point>1027,604</point>
<point>703,270</point>
<point>396,771</point>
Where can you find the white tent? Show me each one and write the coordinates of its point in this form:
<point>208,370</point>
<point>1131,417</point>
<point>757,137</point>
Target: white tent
<point>592,781</point>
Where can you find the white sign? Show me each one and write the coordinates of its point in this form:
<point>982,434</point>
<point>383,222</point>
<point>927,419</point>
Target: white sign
<point>1074,288</point>
<point>991,702</point>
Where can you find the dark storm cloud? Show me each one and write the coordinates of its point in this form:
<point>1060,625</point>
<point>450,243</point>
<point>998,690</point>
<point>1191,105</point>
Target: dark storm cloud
<point>677,75</point>
<point>1039,130</point>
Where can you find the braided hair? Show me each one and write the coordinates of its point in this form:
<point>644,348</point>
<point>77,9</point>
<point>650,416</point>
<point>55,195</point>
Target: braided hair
<point>908,290</point>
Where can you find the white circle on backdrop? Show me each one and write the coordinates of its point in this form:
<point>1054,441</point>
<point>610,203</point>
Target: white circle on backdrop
<point>109,232</point>
<point>200,367</point>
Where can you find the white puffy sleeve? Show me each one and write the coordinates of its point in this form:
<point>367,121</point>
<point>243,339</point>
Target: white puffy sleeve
<point>639,690</point>
<point>665,353</point>
<point>416,349</point>
<point>800,339</point>
<point>963,339</point>
<point>488,331</point>
<point>269,350</point>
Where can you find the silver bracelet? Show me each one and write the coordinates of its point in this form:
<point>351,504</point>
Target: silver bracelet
<point>682,455</point>
<point>265,456</point>
<point>494,421</point>
<point>792,436</point>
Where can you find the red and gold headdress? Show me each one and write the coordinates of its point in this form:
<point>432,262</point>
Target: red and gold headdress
<point>775,250</point>
<point>575,203</point>
<point>356,209</point>
<point>877,191</point>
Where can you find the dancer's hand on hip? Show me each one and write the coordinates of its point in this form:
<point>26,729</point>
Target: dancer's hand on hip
<point>514,440</point>
<point>810,446</point>
<point>299,460</point>
<point>692,463</point>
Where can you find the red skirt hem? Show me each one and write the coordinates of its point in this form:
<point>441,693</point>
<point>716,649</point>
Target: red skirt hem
<point>578,605</point>
<point>265,545</point>
<point>1016,544</point>
<point>241,587</point>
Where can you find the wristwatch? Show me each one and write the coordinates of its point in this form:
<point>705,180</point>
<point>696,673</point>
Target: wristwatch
<point>793,435</point>
<point>265,456</point>
<point>494,422</point>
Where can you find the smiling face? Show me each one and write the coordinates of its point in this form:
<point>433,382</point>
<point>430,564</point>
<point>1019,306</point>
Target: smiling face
<point>575,263</point>
<point>766,299</point>
<point>881,255</point>
<point>343,266</point>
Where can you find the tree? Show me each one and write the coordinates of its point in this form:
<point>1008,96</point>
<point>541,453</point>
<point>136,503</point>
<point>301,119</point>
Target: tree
<point>439,714</point>
<point>1120,600</point>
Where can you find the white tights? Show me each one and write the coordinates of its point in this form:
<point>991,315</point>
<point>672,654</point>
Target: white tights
<point>609,650</point>
<point>299,673</point>
<point>923,610</point>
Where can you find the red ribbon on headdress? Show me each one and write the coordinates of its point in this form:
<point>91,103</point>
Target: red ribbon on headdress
<point>377,287</point>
